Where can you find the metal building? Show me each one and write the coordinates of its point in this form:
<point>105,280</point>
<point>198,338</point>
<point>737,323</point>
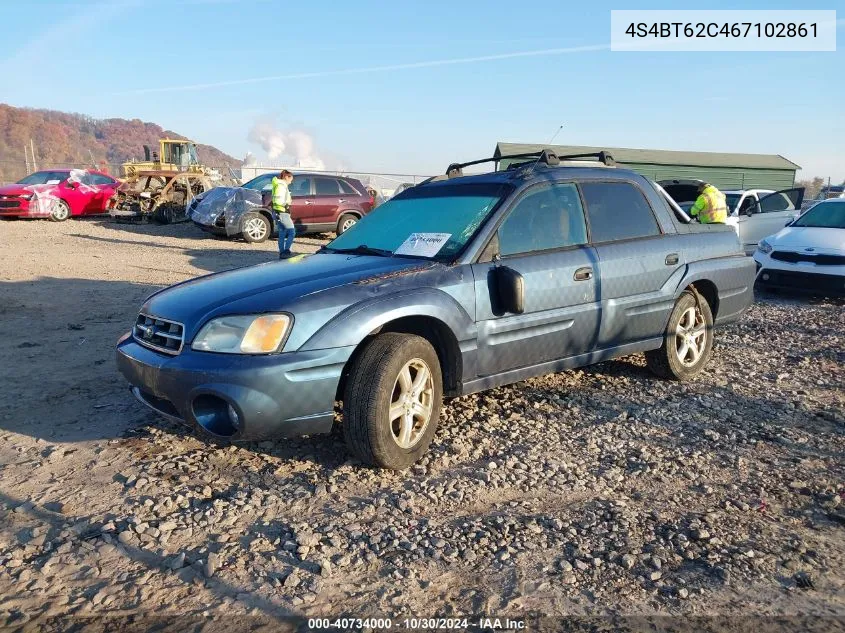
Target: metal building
<point>724,170</point>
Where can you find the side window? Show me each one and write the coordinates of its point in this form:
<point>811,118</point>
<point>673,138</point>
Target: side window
<point>348,189</point>
<point>301,186</point>
<point>617,211</point>
<point>99,179</point>
<point>747,202</point>
<point>545,218</point>
<point>326,187</point>
<point>775,202</point>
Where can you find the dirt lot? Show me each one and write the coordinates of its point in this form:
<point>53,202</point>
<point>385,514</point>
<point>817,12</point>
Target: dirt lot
<point>598,492</point>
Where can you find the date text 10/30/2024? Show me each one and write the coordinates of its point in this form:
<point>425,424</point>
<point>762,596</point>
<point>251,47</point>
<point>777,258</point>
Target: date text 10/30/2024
<point>505,624</point>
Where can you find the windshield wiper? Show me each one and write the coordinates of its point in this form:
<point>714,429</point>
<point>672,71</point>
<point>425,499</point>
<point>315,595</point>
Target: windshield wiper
<point>362,249</point>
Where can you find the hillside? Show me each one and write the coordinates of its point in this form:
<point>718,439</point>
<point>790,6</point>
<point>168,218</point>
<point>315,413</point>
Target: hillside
<point>65,138</point>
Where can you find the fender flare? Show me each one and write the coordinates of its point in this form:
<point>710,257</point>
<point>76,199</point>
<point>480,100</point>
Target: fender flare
<point>353,325</point>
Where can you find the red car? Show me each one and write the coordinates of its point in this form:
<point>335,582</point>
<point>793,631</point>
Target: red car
<point>58,194</point>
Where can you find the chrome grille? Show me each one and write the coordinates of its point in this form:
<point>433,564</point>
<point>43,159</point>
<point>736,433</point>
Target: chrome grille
<point>159,334</point>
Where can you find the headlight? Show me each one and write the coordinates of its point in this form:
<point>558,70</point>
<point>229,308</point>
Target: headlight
<point>26,196</point>
<point>243,334</point>
<point>764,246</point>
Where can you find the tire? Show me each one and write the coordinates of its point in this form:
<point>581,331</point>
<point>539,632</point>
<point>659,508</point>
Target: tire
<point>374,384</point>
<point>346,222</point>
<point>255,227</point>
<point>59,211</point>
<point>684,354</point>
<point>165,214</point>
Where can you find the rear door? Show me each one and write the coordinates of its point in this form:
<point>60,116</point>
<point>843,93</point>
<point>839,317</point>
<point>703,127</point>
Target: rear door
<point>327,194</point>
<point>769,215</point>
<point>544,239</point>
<point>635,262</point>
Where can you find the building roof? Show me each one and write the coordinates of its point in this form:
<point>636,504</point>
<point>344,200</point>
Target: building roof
<point>660,156</point>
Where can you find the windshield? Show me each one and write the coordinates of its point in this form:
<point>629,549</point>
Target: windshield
<point>430,222</point>
<point>732,199</point>
<point>825,215</point>
<point>259,182</point>
<point>44,177</point>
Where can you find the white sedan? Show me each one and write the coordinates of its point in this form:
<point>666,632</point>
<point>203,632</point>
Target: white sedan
<point>808,254</point>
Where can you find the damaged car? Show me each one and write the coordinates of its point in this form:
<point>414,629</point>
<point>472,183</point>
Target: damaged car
<point>320,203</point>
<point>460,284</point>
<point>162,196</point>
<point>58,194</point>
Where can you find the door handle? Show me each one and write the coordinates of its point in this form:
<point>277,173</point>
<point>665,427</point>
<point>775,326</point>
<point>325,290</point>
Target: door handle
<point>671,259</point>
<point>306,202</point>
<point>583,274</point>
<point>341,200</point>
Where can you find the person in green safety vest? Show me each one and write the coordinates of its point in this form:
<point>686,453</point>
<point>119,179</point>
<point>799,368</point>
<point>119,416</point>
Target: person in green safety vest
<point>281,201</point>
<point>710,206</point>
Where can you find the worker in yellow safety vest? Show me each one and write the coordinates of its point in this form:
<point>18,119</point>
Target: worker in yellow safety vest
<point>710,206</point>
<point>281,201</point>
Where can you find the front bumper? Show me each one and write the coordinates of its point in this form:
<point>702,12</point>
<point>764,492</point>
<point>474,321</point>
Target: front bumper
<point>273,396</point>
<point>803,277</point>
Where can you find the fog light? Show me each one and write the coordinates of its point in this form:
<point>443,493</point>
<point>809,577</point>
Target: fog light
<point>765,276</point>
<point>234,418</point>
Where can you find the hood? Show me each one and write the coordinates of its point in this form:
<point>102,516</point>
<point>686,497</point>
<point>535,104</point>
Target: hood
<point>268,287</point>
<point>15,189</point>
<point>231,201</point>
<point>795,238</point>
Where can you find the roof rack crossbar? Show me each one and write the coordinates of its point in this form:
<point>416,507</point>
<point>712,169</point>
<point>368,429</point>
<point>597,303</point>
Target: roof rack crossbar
<point>546,156</point>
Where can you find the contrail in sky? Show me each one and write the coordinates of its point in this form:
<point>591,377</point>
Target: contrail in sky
<point>372,69</point>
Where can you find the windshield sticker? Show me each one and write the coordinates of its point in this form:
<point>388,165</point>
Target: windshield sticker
<point>423,244</point>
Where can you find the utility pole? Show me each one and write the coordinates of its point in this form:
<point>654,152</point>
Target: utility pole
<point>32,146</point>
<point>26,159</point>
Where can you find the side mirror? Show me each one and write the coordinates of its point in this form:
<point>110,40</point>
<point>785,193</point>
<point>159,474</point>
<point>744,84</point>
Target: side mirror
<point>510,290</point>
<point>72,184</point>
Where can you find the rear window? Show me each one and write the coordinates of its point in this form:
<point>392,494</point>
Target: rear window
<point>617,211</point>
<point>326,187</point>
<point>347,188</point>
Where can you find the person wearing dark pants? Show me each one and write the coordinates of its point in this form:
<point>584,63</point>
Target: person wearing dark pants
<point>281,201</point>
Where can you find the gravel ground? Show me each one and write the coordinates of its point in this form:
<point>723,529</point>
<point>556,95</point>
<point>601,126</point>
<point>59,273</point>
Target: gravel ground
<point>601,491</point>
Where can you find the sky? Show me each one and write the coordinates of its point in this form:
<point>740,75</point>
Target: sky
<point>410,87</point>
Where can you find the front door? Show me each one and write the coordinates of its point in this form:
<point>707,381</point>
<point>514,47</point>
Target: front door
<point>302,200</point>
<point>544,239</point>
<point>769,215</point>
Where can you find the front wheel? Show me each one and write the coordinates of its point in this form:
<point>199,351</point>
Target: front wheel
<point>392,401</point>
<point>255,227</point>
<point>688,341</point>
<point>59,210</point>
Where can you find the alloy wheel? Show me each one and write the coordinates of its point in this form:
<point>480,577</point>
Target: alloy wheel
<point>411,403</point>
<point>255,228</point>
<point>690,337</point>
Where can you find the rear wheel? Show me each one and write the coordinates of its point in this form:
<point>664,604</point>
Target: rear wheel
<point>255,227</point>
<point>346,222</point>
<point>688,341</point>
<point>392,402</point>
<point>59,210</point>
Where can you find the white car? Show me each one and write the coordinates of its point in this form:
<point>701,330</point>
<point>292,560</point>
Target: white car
<point>753,213</point>
<point>809,254</point>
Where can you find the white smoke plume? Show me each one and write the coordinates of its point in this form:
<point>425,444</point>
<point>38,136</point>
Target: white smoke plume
<point>296,144</point>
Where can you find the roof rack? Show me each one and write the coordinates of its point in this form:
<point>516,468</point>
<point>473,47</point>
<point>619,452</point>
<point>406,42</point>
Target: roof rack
<point>546,156</point>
